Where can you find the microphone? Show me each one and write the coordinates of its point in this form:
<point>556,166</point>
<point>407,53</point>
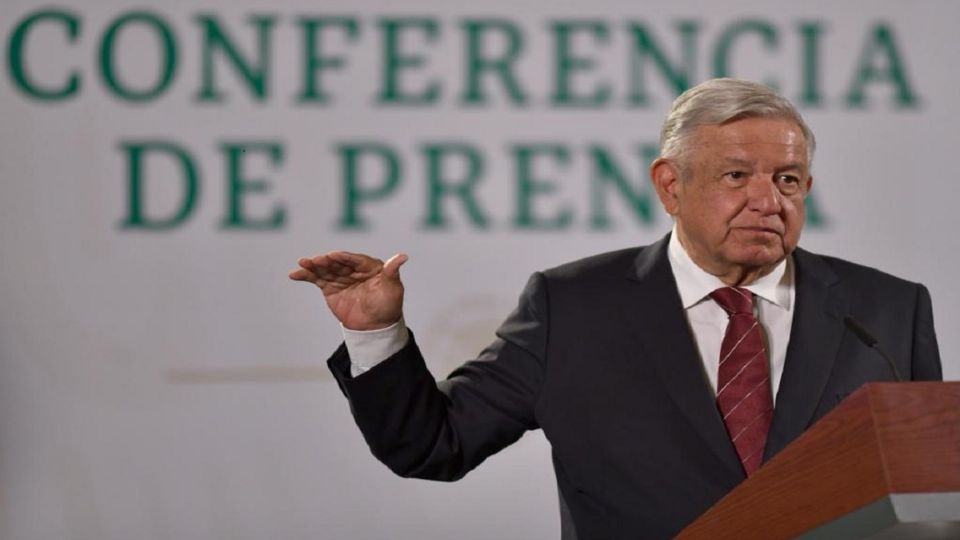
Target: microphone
<point>867,339</point>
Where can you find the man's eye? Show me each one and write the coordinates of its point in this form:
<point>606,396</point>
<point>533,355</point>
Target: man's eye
<point>788,183</point>
<point>736,175</point>
<point>788,179</point>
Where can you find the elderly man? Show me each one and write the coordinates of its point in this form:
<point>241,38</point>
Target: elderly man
<point>663,375</point>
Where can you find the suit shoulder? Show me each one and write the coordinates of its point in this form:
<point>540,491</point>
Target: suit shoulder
<point>859,276</point>
<point>600,266</point>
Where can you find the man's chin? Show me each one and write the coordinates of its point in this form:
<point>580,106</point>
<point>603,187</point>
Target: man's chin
<point>761,256</point>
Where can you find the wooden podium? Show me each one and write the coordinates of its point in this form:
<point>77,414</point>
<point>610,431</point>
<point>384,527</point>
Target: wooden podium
<point>884,464</point>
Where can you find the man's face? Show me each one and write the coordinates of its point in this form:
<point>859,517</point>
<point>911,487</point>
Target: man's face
<point>738,195</point>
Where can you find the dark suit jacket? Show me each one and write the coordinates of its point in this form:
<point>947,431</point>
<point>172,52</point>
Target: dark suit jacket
<point>599,355</point>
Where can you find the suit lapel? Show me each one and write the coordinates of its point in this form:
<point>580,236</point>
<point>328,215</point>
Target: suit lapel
<point>814,343</point>
<point>664,334</point>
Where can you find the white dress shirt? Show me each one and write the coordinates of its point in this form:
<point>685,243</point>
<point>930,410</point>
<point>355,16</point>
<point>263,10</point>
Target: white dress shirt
<point>367,348</point>
<point>708,321</point>
<point>773,306</point>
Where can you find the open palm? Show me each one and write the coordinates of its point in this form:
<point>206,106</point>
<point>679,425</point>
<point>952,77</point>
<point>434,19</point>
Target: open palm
<point>362,292</point>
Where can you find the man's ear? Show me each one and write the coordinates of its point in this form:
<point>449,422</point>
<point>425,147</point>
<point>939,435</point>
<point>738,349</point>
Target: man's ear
<point>666,180</point>
<point>809,184</point>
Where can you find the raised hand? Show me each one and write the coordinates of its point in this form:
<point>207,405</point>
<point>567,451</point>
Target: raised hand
<point>363,293</point>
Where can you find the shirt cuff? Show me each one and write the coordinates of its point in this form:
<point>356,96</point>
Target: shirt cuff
<point>367,348</point>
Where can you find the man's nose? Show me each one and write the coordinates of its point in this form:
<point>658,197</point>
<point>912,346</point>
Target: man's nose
<point>763,196</point>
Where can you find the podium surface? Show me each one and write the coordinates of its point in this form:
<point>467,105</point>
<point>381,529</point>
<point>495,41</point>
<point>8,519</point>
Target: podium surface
<point>883,464</point>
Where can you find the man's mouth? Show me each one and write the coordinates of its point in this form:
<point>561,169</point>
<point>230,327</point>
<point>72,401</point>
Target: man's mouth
<point>761,230</point>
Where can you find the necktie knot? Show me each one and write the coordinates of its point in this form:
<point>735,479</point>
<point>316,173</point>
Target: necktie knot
<point>734,300</point>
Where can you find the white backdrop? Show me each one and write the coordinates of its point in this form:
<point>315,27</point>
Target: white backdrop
<point>170,383</point>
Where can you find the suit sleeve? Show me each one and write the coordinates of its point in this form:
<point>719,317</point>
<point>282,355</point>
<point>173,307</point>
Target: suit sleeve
<point>440,431</point>
<point>926,355</point>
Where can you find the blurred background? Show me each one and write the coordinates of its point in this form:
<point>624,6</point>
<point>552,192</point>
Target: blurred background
<point>164,164</point>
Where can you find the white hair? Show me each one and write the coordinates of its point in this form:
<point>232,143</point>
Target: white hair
<point>719,101</point>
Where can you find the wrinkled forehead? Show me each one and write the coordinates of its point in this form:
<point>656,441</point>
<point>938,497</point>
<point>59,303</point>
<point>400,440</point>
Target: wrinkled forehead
<point>751,139</point>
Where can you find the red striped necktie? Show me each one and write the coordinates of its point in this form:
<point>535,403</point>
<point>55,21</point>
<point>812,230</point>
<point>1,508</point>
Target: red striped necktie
<point>743,384</point>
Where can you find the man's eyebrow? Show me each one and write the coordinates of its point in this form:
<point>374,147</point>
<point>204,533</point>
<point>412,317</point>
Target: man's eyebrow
<point>793,165</point>
<point>799,166</point>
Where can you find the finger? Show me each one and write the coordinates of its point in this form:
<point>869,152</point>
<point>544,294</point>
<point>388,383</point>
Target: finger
<point>320,268</point>
<point>391,269</point>
<point>326,267</point>
<point>356,261</point>
<point>335,270</point>
<point>301,274</point>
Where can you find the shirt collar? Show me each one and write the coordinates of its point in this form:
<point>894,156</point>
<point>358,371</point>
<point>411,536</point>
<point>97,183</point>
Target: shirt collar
<point>695,283</point>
